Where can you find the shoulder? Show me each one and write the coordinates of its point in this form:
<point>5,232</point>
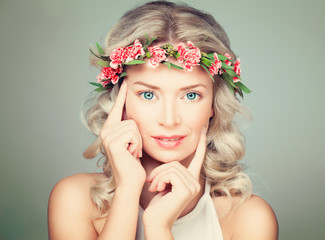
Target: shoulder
<point>253,219</point>
<point>74,187</point>
<point>70,205</point>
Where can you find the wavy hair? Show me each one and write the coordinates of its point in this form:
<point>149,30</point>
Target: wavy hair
<point>175,23</point>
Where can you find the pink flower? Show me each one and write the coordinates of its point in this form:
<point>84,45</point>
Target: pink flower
<point>117,57</point>
<point>157,56</point>
<point>135,51</point>
<point>100,77</point>
<point>108,75</point>
<point>105,83</point>
<point>119,70</point>
<point>126,54</point>
<point>189,56</point>
<point>115,79</point>
<point>181,50</point>
<point>227,61</point>
<point>237,67</point>
<point>235,79</point>
<point>108,72</point>
<point>215,66</point>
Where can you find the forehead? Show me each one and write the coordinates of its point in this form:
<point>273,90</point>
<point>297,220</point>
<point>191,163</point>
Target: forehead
<point>163,77</point>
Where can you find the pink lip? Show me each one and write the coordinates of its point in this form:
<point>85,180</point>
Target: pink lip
<point>169,141</point>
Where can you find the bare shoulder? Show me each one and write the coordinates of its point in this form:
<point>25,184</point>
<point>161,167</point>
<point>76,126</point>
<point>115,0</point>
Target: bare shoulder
<point>71,207</point>
<point>78,180</point>
<point>253,219</point>
<point>75,187</point>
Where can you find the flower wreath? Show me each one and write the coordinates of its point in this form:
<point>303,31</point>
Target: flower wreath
<point>113,65</point>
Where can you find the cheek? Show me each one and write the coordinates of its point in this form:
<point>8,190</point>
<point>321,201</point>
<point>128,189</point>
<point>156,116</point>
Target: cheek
<point>135,110</point>
<point>198,116</point>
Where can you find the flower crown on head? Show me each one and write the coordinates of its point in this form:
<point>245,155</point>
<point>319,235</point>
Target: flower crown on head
<point>189,55</point>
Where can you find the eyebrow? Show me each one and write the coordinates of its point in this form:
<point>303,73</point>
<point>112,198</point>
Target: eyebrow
<point>157,88</point>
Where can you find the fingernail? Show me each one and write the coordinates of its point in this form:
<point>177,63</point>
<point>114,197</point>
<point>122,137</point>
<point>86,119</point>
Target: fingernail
<point>204,130</point>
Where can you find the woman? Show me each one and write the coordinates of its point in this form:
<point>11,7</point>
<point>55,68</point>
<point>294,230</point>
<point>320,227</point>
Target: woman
<point>170,146</point>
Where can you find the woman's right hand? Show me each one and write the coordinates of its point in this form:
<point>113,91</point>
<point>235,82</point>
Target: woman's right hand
<point>123,146</point>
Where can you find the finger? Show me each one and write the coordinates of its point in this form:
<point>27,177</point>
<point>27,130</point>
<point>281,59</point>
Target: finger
<point>176,179</point>
<point>158,185</point>
<point>116,113</point>
<point>197,161</point>
<point>159,181</point>
<point>163,168</point>
<point>119,141</point>
<point>112,133</point>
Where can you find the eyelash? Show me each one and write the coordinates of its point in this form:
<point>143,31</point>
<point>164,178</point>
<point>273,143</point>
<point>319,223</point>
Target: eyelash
<point>197,95</point>
<point>144,92</point>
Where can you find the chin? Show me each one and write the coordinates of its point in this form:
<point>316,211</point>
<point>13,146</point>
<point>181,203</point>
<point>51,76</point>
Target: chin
<point>170,156</point>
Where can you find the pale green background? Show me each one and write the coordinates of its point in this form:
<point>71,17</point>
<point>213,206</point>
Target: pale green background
<point>44,75</point>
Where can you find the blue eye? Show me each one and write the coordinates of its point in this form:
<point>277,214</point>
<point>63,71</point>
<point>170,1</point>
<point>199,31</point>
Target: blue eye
<point>147,95</point>
<point>191,95</point>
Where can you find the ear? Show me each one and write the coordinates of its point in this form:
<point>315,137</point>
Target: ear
<point>212,112</point>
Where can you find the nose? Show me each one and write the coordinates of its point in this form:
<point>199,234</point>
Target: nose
<point>169,114</point>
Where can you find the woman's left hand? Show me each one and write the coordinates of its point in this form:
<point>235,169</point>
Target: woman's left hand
<point>177,186</point>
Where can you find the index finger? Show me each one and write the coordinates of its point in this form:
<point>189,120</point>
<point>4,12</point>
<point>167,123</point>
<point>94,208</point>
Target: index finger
<point>196,164</point>
<point>115,115</point>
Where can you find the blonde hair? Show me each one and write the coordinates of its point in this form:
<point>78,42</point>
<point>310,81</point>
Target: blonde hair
<point>174,23</point>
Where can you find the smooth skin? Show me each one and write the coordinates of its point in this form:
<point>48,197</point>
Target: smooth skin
<point>167,186</point>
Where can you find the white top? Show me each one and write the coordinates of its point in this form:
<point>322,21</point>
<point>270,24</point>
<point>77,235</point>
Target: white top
<point>201,223</point>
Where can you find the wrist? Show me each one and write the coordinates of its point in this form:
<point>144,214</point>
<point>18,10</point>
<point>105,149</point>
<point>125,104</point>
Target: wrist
<point>129,189</point>
<point>157,233</point>
<point>155,223</point>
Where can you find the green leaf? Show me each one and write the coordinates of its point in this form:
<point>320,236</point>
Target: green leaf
<point>231,73</point>
<point>243,87</point>
<point>94,53</point>
<point>123,74</point>
<point>147,39</point>
<point>206,62</point>
<point>222,57</point>
<point>103,63</point>
<point>168,64</point>
<point>229,79</point>
<point>206,69</point>
<point>135,62</point>
<point>240,93</point>
<point>96,84</point>
<point>99,48</point>
<point>99,89</point>
<point>152,39</point>
<point>225,66</point>
<point>210,55</point>
<point>176,66</point>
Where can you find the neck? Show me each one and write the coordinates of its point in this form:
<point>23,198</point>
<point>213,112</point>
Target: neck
<point>149,164</point>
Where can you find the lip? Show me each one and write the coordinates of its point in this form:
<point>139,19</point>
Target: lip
<point>168,141</point>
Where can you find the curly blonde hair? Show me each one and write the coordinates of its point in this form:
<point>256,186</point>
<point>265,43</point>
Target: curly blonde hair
<point>174,23</point>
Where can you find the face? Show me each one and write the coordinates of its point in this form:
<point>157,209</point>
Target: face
<point>170,107</point>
